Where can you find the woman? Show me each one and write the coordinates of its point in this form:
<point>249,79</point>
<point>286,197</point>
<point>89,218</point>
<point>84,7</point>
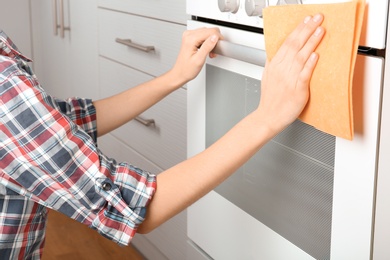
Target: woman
<point>49,156</point>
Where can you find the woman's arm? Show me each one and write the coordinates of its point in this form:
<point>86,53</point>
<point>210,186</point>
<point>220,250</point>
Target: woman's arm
<point>114,111</point>
<point>285,91</point>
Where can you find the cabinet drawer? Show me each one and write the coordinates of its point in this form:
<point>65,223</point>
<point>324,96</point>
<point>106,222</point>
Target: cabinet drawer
<point>163,36</point>
<point>163,143</point>
<point>169,238</point>
<point>195,253</point>
<point>114,148</point>
<point>168,10</point>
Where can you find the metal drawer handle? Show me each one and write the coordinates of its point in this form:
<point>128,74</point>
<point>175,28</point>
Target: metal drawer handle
<point>131,44</point>
<point>55,19</point>
<point>60,26</point>
<point>145,122</point>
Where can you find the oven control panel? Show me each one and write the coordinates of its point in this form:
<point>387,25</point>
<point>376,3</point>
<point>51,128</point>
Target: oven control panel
<point>229,5</point>
<point>250,12</point>
<point>244,12</point>
<point>252,7</point>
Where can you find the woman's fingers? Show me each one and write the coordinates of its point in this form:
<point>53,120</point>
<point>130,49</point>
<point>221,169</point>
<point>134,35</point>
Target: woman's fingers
<point>299,38</point>
<point>307,71</point>
<point>286,78</point>
<point>196,46</point>
<point>306,59</point>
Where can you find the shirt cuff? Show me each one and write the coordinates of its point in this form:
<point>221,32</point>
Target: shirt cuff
<point>127,198</point>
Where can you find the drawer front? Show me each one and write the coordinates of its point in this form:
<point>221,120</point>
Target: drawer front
<point>168,10</point>
<point>163,143</point>
<point>195,253</point>
<point>169,238</point>
<point>114,148</point>
<point>164,37</point>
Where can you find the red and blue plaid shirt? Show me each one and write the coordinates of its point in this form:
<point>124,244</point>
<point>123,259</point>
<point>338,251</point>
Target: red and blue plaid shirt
<point>49,159</point>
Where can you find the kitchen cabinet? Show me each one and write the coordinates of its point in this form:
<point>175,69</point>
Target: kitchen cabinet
<point>66,65</point>
<point>157,39</point>
<point>20,31</point>
<point>168,10</point>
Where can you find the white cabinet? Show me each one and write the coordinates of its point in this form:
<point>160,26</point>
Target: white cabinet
<point>19,31</point>
<point>163,143</point>
<point>168,10</point>
<point>122,66</point>
<point>163,37</point>
<point>66,66</point>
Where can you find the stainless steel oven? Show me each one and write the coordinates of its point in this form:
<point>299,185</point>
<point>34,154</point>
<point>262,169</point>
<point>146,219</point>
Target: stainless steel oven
<point>306,194</point>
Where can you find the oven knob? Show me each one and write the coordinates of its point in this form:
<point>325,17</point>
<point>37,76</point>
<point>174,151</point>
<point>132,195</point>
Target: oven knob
<point>288,2</point>
<point>229,5</point>
<point>255,7</point>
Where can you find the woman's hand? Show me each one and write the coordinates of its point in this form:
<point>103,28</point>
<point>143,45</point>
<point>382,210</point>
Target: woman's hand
<point>285,90</point>
<point>285,83</point>
<point>196,46</point>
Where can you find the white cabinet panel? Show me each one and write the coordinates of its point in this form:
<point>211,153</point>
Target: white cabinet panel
<point>156,147</point>
<point>169,10</point>
<point>195,253</point>
<point>66,66</point>
<point>163,143</point>
<point>164,37</point>
<point>356,166</point>
<point>19,30</point>
<point>168,240</point>
<point>381,249</point>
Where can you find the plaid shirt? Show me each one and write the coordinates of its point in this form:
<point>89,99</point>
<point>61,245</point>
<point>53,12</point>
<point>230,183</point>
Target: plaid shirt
<point>49,159</point>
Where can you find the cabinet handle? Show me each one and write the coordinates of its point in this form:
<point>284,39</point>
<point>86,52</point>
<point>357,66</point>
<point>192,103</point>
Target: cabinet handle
<point>62,25</point>
<point>131,44</point>
<point>145,122</point>
<point>55,19</point>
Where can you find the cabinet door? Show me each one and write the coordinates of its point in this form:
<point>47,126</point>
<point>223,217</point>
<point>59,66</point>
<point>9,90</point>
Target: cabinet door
<point>167,10</point>
<point>168,241</point>
<point>17,29</point>
<point>66,66</point>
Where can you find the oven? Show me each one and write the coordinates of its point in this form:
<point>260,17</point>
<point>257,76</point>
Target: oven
<point>306,194</point>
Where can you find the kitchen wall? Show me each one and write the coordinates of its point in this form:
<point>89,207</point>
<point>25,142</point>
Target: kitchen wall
<point>15,21</point>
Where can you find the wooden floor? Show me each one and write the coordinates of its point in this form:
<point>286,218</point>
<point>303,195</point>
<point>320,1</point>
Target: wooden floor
<point>67,239</point>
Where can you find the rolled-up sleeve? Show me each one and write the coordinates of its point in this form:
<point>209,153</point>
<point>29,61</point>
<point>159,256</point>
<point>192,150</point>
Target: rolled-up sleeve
<point>48,153</point>
<point>80,111</point>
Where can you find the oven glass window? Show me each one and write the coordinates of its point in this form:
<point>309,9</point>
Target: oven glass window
<point>288,184</point>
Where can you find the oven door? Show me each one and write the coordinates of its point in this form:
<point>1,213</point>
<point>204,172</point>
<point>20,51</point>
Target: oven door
<point>306,194</point>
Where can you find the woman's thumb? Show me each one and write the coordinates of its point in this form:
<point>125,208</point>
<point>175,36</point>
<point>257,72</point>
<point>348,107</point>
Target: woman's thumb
<point>208,45</point>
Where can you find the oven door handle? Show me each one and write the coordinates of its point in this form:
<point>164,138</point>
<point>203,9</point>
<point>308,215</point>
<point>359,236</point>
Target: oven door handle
<point>241,52</point>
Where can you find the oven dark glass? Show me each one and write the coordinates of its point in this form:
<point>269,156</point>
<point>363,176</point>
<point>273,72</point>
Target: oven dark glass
<point>288,184</point>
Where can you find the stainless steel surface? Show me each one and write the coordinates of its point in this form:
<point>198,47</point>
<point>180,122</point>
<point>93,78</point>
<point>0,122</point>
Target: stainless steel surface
<point>145,122</point>
<point>128,42</point>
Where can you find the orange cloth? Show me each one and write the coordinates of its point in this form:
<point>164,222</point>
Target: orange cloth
<point>330,104</point>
